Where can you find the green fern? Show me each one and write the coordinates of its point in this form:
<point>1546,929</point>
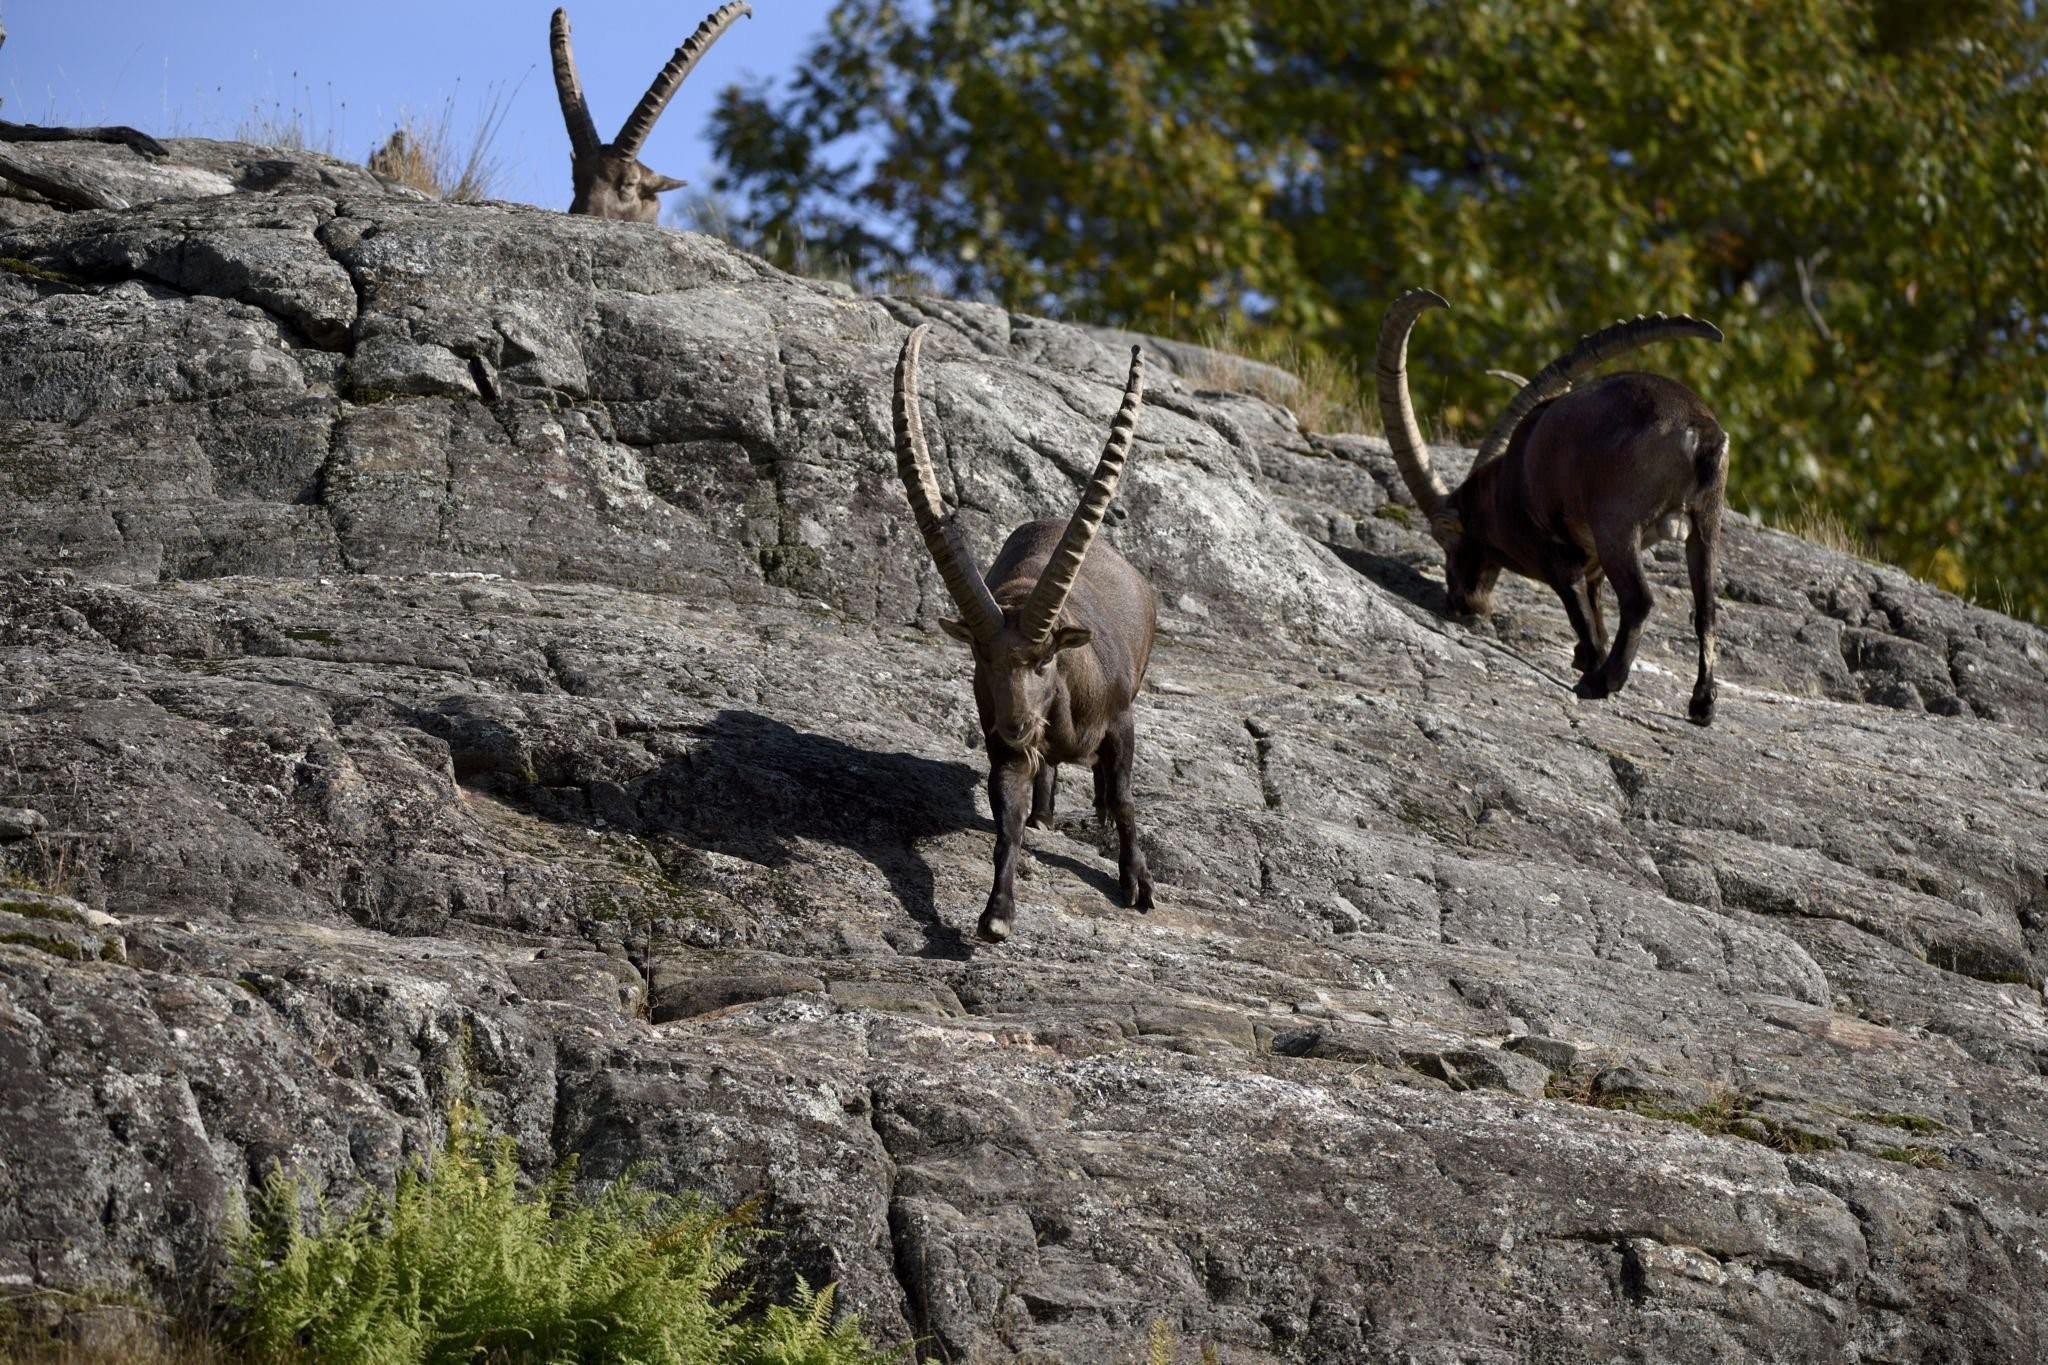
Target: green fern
<point>463,1264</point>
<point>802,1333</point>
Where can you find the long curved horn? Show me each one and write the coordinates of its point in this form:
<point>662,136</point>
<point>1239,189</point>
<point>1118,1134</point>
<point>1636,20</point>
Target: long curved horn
<point>575,109</point>
<point>1049,595</point>
<point>1560,374</point>
<point>1397,414</point>
<point>633,133</point>
<point>978,609</point>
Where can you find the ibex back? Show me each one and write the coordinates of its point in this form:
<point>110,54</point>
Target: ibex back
<point>1061,630</point>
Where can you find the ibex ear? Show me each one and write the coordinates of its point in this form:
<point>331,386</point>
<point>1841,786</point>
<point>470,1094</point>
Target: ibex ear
<point>656,183</point>
<point>1070,637</point>
<point>1448,528</point>
<point>957,629</point>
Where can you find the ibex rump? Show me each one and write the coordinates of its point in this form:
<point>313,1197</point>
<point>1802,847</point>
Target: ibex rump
<point>1571,484</point>
<point>609,178</point>
<point>1061,630</point>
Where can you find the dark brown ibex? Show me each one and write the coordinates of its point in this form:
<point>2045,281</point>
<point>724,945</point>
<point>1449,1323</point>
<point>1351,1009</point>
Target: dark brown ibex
<point>610,180</point>
<point>1570,485</point>
<point>1061,637</point>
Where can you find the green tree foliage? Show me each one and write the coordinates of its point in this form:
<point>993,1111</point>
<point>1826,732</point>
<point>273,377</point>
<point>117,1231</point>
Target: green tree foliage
<point>466,1263</point>
<point>1854,190</point>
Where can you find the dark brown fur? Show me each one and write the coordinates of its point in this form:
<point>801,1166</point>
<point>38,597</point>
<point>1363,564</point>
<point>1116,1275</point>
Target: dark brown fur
<point>1571,483</point>
<point>1589,480</point>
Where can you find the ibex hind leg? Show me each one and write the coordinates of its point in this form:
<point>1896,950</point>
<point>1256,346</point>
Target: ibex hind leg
<point>1594,578</point>
<point>1701,550</point>
<point>1044,787</point>
<point>1113,769</point>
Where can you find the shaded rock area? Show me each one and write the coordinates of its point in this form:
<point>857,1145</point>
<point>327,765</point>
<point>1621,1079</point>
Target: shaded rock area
<point>473,648</point>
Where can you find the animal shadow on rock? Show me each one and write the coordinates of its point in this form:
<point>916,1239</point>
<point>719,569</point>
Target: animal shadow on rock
<point>1397,576</point>
<point>754,786</point>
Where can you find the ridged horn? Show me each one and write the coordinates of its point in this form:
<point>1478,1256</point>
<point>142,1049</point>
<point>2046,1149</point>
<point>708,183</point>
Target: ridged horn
<point>1397,413</point>
<point>1049,595</point>
<point>978,609</point>
<point>1592,350</point>
<point>639,123</point>
<point>575,109</point>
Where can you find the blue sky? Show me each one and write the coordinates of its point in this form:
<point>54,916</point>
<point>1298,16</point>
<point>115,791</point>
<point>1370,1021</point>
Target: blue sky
<point>205,67</point>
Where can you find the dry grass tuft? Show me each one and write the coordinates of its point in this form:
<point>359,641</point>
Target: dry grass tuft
<point>126,1330</point>
<point>1326,395</point>
<point>1827,529</point>
<point>1926,1158</point>
<point>290,130</point>
<point>1162,1346</point>
<point>429,155</point>
<point>41,865</point>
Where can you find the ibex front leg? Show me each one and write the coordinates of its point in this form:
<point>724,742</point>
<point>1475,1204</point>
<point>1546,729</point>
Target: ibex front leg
<point>1581,607</point>
<point>1623,563</point>
<point>1594,578</point>
<point>1113,766</point>
<point>1009,797</point>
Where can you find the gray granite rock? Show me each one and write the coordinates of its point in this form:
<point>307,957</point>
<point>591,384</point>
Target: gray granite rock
<point>20,824</point>
<point>469,648</point>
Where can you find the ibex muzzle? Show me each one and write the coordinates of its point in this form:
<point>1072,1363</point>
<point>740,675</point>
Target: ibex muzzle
<point>1061,630</point>
<point>1571,484</point>
<point>609,178</point>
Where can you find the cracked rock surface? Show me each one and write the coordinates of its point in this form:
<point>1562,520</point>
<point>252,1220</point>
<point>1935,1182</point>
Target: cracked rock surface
<point>473,647</point>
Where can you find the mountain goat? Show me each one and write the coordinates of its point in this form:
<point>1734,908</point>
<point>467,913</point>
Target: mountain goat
<point>1571,484</point>
<point>609,178</point>
<point>1061,630</point>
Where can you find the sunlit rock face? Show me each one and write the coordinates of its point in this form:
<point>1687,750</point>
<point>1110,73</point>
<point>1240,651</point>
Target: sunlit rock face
<point>474,649</point>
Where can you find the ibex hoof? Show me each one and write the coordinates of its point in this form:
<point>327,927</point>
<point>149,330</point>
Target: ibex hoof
<point>1592,687</point>
<point>1701,712</point>
<point>1139,897</point>
<point>1585,658</point>
<point>994,926</point>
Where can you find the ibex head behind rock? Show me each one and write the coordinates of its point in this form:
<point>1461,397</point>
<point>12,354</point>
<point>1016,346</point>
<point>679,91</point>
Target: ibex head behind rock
<point>1571,484</point>
<point>610,179</point>
<point>1061,629</point>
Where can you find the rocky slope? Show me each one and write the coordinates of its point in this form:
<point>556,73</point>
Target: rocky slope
<point>467,647</point>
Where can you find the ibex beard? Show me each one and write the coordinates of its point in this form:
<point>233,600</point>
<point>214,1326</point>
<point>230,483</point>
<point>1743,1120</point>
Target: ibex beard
<point>1061,630</point>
